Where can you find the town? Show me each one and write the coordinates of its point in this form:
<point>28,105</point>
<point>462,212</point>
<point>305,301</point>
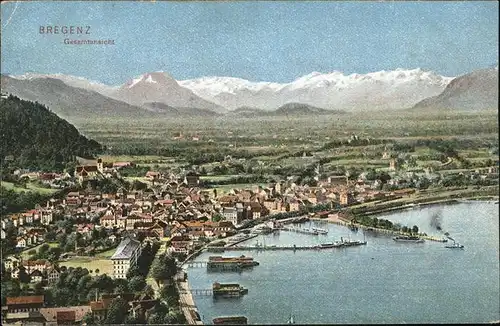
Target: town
<point>103,236</point>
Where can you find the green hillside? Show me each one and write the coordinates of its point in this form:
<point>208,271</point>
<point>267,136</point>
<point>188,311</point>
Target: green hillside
<point>36,138</point>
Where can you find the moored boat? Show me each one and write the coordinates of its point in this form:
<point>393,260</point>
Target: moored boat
<point>408,238</point>
<point>228,290</point>
<point>320,231</point>
<point>230,320</point>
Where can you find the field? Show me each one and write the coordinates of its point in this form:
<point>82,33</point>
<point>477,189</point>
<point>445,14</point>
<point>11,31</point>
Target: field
<point>106,254</point>
<point>30,187</point>
<point>133,158</point>
<point>105,266</point>
<point>25,255</point>
<point>249,133</point>
<point>289,146</point>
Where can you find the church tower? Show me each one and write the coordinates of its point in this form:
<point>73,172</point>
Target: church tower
<point>100,165</point>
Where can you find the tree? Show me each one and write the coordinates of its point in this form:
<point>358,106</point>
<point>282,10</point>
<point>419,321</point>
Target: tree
<point>170,294</point>
<point>155,319</point>
<point>415,229</point>
<point>42,251</point>
<point>50,236</point>
<point>117,311</point>
<point>121,286</point>
<point>133,271</point>
<point>54,254</point>
<point>38,288</point>
<point>217,218</point>
<point>131,320</point>
<point>137,283</point>
<point>89,319</point>
<point>23,276</point>
<point>164,268</point>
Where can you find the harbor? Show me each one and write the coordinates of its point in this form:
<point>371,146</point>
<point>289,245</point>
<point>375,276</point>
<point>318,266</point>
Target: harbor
<point>310,254</point>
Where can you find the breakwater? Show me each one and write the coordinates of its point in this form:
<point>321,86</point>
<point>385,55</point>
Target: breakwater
<point>379,230</point>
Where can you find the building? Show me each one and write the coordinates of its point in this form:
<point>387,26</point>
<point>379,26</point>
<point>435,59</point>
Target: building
<point>53,275</point>
<point>23,310</point>
<point>11,263</point>
<point>393,165</point>
<point>125,255</point>
<point>89,172</point>
<point>192,179</point>
<point>64,315</point>
<point>230,214</point>
<point>180,244</point>
<point>346,198</point>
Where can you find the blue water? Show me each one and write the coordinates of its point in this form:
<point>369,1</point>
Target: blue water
<point>382,282</point>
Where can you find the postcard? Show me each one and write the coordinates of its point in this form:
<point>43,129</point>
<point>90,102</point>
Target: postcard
<point>249,162</point>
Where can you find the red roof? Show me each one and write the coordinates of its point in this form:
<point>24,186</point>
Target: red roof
<point>29,299</point>
<point>65,316</point>
<point>86,168</point>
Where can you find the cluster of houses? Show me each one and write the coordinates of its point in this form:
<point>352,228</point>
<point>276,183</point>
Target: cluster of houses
<point>30,309</point>
<point>174,207</point>
<point>38,270</point>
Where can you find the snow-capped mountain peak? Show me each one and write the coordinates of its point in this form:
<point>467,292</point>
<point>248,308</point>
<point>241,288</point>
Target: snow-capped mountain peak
<point>158,77</point>
<point>382,89</point>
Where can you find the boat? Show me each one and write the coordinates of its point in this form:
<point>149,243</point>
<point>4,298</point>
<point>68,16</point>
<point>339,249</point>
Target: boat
<point>320,231</point>
<point>228,290</point>
<point>230,320</point>
<point>230,263</point>
<point>455,245</point>
<point>408,238</point>
<point>337,244</point>
<point>350,243</point>
<point>326,245</point>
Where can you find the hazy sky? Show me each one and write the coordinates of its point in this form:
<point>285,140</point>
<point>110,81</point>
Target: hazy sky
<point>269,41</point>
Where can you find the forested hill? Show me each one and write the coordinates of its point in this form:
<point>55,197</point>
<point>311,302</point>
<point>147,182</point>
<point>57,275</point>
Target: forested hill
<point>34,137</point>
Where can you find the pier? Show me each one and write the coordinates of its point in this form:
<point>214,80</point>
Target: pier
<point>294,247</point>
<point>198,292</point>
<point>230,244</point>
<point>197,263</point>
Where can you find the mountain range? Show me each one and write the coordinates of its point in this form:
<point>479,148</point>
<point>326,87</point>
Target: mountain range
<point>381,90</point>
<point>157,93</point>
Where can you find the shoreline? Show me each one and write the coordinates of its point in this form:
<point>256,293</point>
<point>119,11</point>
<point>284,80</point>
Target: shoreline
<point>189,305</point>
<point>338,221</point>
<point>417,200</point>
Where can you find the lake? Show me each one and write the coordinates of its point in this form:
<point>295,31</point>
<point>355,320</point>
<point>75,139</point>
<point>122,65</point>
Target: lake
<point>382,282</point>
